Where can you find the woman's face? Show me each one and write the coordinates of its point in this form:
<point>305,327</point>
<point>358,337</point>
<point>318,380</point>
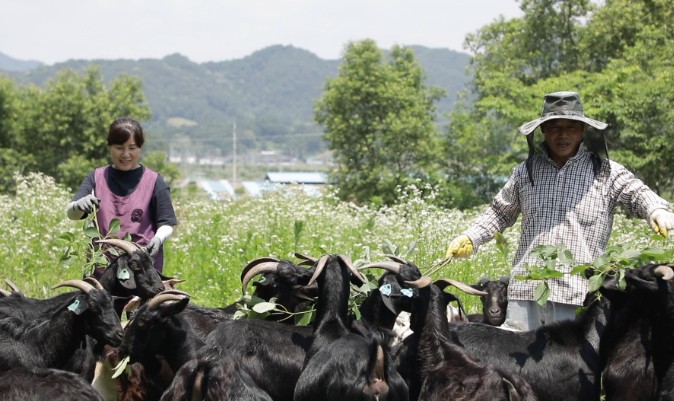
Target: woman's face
<point>563,138</point>
<point>126,156</point>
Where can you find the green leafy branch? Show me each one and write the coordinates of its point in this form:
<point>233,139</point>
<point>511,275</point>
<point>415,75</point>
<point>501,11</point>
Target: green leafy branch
<point>79,246</point>
<point>613,262</point>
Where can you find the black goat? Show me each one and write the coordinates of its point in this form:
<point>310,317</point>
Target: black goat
<point>439,369</point>
<point>339,363</point>
<point>158,337</point>
<point>213,375</point>
<point>393,296</point>
<point>638,351</point>
<point>494,304</point>
<point>40,384</point>
<point>283,280</point>
<point>49,336</point>
<point>617,334</point>
<point>132,273</point>
<point>271,352</point>
<point>560,360</point>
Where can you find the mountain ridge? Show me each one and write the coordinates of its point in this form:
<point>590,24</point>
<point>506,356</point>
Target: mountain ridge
<point>268,95</point>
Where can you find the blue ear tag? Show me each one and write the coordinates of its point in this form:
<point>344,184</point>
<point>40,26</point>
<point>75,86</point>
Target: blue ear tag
<point>73,306</point>
<point>407,292</point>
<point>123,274</point>
<point>385,289</point>
<point>262,279</point>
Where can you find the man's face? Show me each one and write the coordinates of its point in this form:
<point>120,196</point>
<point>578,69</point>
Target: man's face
<point>563,138</point>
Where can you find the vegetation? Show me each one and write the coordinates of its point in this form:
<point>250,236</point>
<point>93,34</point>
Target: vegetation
<point>372,112</point>
<point>215,240</point>
<point>61,130</point>
<point>269,96</point>
<point>620,65</point>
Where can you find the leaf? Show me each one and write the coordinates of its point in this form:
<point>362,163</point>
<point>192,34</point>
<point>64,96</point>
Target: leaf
<point>388,247</point>
<point>542,293</point>
<point>264,307</point>
<point>580,269</point>
<point>305,319</point>
<point>67,236</point>
<point>121,367</point>
<point>115,224</point>
<point>412,246</point>
<point>91,232</point>
<point>595,282</point>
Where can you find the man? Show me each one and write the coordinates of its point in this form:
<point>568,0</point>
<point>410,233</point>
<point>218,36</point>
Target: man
<point>566,196</point>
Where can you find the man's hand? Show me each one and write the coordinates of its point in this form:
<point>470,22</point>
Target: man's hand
<point>87,204</point>
<point>661,221</point>
<point>461,247</point>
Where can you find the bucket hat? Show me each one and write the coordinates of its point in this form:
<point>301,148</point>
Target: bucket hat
<point>566,105</point>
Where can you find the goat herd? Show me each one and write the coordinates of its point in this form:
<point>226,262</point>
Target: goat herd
<point>63,348</point>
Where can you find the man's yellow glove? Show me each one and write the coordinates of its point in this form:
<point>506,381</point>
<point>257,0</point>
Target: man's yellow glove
<point>661,221</point>
<point>461,247</point>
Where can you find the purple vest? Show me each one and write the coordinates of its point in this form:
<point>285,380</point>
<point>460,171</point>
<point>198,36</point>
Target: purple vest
<point>133,210</point>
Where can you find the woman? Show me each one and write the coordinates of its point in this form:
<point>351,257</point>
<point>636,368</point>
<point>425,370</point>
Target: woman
<point>129,191</point>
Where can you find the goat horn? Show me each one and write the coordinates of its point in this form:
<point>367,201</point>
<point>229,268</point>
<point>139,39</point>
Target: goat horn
<point>11,285</point>
<point>306,259</point>
<point>444,282</point>
<point>421,282</point>
<point>165,296</point>
<point>393,267</point>
<point>264,267</point>
<point>170,284</point>
<point>665,272</point>
<point>256,262</point>
<point>5,293</point>
<point>396,258</point>
<point>127,246</point>
<point>354,271</point>
<point>79,284</point>
<point>94,282</point>
<point>320,265</point>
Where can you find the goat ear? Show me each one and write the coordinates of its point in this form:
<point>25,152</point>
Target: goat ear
<point>172,308</point>
<point>79,305</point>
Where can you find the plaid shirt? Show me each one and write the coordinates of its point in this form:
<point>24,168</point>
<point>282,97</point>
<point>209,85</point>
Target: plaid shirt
<point>567,206</point>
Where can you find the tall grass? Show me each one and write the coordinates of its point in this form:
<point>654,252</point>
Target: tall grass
<point>214,240</point>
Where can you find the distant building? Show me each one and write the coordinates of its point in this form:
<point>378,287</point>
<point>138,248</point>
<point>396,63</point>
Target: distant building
<point>311,183</point>
<point>306,178</point>
<point>217,189</point>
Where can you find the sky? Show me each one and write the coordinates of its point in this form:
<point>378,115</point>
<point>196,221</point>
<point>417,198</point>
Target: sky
<point>53,31</point>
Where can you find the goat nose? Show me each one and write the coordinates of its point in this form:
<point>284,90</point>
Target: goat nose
<point>495,310</point>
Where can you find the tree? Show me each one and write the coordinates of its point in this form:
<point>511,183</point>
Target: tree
<point>63,126</point>
<point>617,55</point>
<point>378,115</point>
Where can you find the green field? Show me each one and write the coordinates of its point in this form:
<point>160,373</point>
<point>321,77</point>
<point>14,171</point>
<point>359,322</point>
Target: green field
<point>215,240</point>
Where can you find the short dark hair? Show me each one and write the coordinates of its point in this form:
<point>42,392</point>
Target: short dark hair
<point>122,129</point>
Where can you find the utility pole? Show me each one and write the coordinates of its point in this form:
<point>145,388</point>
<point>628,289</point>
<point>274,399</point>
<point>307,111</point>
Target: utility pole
<point>234,153</point>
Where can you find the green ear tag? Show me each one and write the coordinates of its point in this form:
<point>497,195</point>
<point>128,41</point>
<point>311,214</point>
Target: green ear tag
<point>73,306</point>
<point>123,274</point>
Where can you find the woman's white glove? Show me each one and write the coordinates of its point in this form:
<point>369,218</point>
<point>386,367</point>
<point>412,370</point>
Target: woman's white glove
<point>86,204</point>
<point>156,242</point>
<point>661,221</point>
